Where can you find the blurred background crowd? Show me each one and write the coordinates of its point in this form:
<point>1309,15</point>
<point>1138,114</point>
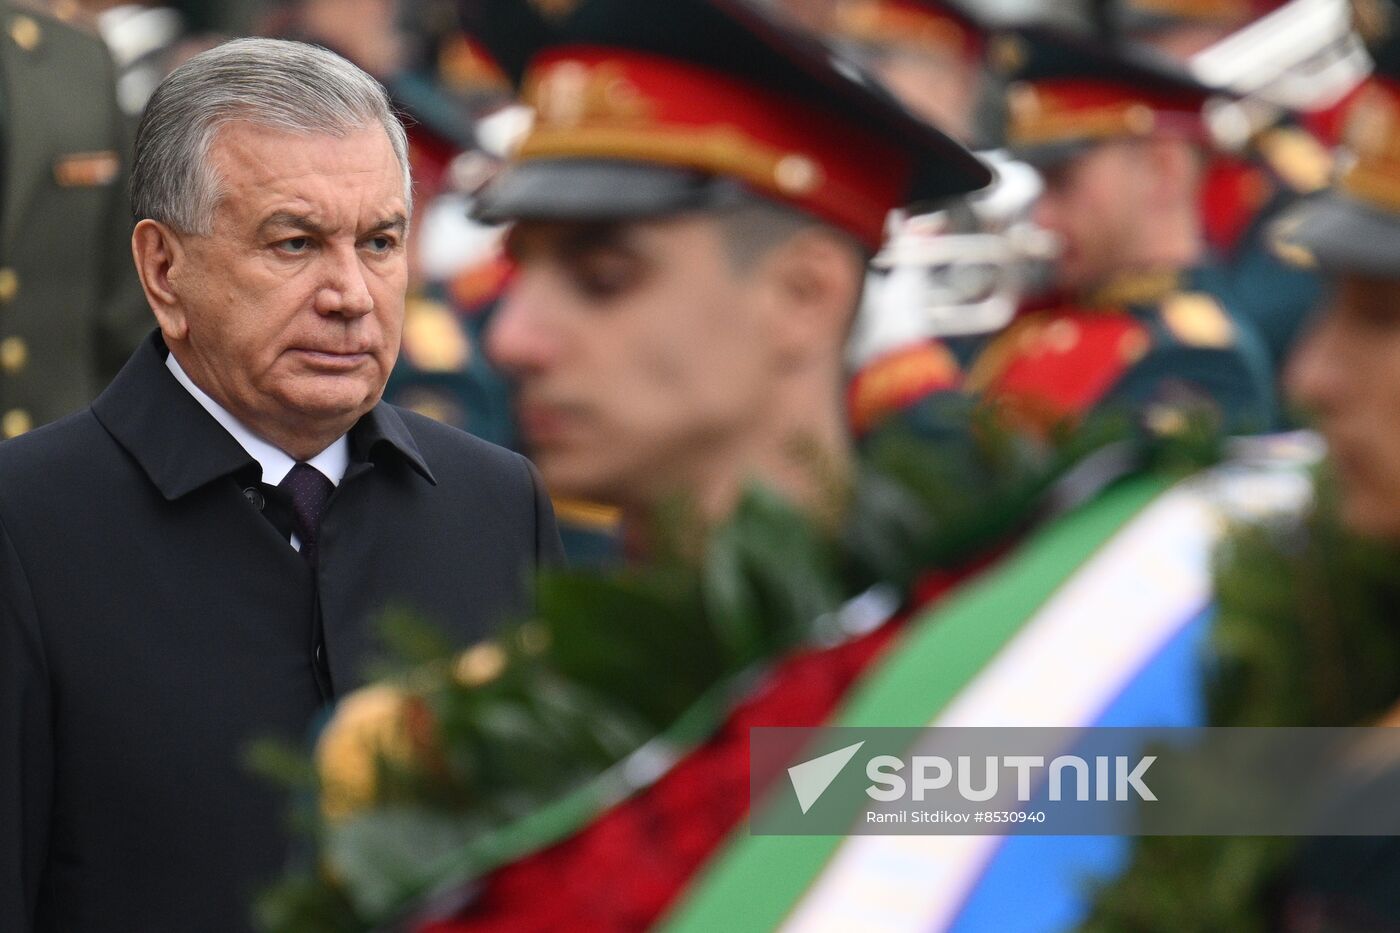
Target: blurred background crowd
<point>1245,105</point>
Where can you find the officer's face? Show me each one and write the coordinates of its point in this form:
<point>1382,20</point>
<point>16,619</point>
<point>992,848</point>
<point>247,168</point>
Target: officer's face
<point>642,355</point>
<point>1348,372</point>
<point>290,312</point>
<point>1097,203</point>
<point>941,88</point>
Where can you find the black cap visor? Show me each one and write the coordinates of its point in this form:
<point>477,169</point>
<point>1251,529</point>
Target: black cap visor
<point>596,189</point>
<point>1340,235</point>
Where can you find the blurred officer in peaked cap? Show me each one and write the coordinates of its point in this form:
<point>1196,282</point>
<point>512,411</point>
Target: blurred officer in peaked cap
<point>1295,66</point>
<point>694,209</point>
<point>929,53</point>
<point>71,308</point>
<point>1347,370</point>
<point>1118,138</point>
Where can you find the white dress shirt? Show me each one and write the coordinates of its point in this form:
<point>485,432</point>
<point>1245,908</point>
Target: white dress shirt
<point>275,462</point>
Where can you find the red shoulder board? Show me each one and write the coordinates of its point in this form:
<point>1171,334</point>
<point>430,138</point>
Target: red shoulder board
<point>1232,194</point>
<point>1050,367</point>
<point>898,380</point>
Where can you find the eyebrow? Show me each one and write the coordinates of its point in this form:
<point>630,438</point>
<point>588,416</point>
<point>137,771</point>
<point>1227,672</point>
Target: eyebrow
<point>396,222</point>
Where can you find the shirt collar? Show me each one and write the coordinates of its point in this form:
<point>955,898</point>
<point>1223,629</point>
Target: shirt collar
<point>180,446</point>
<point>275,462</point>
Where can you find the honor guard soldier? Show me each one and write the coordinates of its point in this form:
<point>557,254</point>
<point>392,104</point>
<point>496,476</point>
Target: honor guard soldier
<point>71,309</point>
<point>1297,65</point>
<point>1345,370</point>
<point>1347,373</point>
<point>694,210</point>
<point>1119,141</point>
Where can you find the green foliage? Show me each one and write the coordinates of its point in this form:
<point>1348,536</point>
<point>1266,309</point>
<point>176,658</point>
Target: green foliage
<point>307,902</point>
<point>1192,884</point>
<point>521,742</point>
<point>1307,634</point>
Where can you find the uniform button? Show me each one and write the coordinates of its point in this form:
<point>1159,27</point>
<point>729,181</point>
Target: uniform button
<point>255,498</point>
<point>318,652</point>
<point>9,284</point>
<point>26,33</point>
<point>14,354</point>
<point>15,422</point>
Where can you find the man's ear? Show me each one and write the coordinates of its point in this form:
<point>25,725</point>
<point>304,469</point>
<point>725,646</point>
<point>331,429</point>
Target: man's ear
<point>816,279</point>
<point>160,257</point>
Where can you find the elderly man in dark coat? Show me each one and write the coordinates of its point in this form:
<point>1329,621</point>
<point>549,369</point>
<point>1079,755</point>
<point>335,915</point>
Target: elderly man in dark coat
<point>199,558</point>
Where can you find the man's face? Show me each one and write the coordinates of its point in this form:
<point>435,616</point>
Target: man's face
<point>1096,202</point>
<point>940,88</point>
<point>1348,372</point>
<point>294,304</point>
<point>641,353</point>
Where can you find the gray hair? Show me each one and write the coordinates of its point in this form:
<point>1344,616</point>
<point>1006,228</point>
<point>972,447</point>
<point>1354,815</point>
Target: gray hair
<point>289,86</point>
<point>754,225</point>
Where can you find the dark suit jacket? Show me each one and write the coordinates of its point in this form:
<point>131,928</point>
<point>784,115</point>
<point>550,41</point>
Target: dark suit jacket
<point>153,622</point>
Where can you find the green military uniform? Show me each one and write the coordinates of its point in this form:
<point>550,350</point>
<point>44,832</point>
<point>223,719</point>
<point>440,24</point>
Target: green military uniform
<point>1271,296</point>
<point>1150,347</point>
<point>71,308</point>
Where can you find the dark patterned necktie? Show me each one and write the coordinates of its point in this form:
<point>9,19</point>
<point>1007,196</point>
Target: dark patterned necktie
<point>310,492</point>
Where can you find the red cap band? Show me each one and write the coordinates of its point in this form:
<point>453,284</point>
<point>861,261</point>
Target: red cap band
<point>1059,111</point>
<point>603,103</point>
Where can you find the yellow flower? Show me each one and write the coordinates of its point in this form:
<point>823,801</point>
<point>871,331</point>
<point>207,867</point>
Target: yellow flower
<point>369,725</point>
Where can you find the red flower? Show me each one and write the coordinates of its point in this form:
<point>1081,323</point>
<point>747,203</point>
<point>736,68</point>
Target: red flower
<point>626,868</point>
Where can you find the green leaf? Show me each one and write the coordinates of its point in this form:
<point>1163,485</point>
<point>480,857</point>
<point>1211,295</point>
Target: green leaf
<point>387,857</point>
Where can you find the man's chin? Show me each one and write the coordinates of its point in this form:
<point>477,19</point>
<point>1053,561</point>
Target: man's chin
<point>333,407</point>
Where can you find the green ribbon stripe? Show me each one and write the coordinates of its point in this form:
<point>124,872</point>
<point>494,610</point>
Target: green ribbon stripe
<point>933,661</point>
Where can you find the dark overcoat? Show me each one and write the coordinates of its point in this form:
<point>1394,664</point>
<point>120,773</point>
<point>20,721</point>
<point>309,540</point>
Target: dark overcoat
<point>154,620</point>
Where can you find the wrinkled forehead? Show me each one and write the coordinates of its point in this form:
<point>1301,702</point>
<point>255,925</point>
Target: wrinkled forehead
<point>262,163</point>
